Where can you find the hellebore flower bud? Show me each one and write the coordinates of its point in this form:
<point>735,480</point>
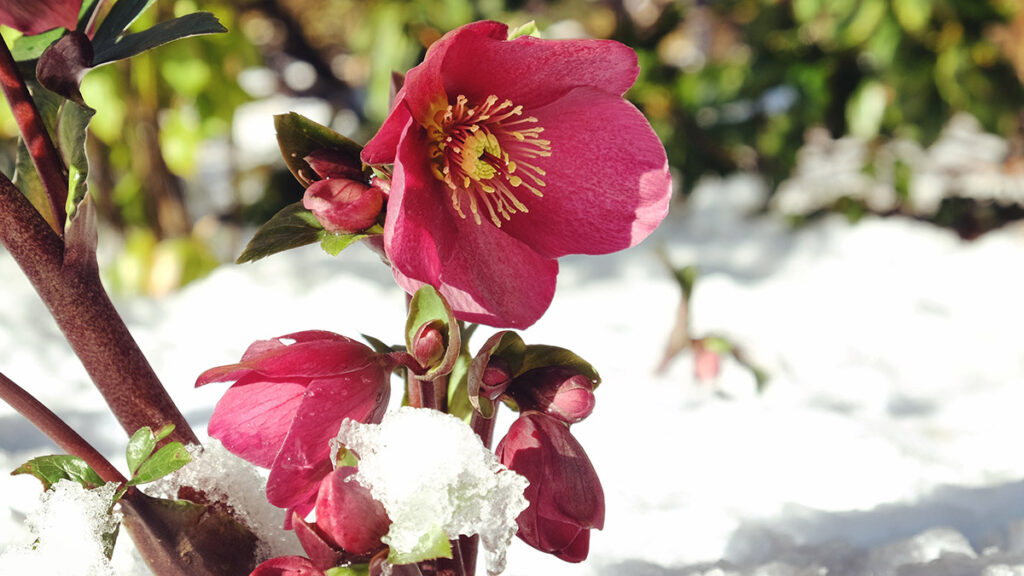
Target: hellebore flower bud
<point>559,391</point>
<point>496,378</point>
<point>342,205</point>
<point>428,345</point>
<point>348,515</point>
<point>565,495</point>
<point>290,395</point>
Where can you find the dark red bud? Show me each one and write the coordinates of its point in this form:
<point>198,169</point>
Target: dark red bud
<point>428,345</point>
<point>559,391</point>
<point>348,515</point>
<point>321,552</point>
<point>343,206</point>
<point>496,377</point>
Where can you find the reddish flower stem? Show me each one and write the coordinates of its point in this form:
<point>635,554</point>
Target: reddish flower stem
<point>69,284</point>
<point>48,162</point>
<point>55,429</point>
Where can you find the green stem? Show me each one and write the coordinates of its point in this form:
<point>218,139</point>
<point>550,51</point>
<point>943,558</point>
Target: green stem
<point>47,160</point>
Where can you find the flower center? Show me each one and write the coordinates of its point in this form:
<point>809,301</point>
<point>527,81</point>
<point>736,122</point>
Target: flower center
<point>485,154</point>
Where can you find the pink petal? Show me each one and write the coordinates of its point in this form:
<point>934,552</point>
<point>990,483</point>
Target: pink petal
<point>315,359</point>
<point>252,418</point>
<point>486,275</point>
<point>531,71</point>
<point>287,566</point>
<point>304,458</point>
<point>607,182</point>
<point>40,15</point>
<point>381,148</point>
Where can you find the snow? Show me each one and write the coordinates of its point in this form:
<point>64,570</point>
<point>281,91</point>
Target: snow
<point>431,472</point>
<point>886,440</point>
<point>69,524</point>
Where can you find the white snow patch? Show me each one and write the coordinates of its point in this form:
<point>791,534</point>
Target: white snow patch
<point>69,524</point>
<point>431,471</point>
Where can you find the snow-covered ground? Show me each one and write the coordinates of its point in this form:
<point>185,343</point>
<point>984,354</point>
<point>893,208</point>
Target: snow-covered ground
<point>887,440</point>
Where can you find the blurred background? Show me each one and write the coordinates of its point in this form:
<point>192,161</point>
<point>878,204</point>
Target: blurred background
<point>904,108</point>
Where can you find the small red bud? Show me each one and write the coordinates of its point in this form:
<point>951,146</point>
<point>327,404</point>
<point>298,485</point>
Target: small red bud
<point>342,205</point>
<point>558,391</point>
<point>428,345</point>
<point>496,377</point>
<point>348,515</point>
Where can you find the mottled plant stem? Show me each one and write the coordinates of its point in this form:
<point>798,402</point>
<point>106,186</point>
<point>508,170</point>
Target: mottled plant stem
<point>56,429</point>
<point>69,284</point>
<point>47,160</point>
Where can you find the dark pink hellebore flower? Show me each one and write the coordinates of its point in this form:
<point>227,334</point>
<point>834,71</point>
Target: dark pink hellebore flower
<point>507,155</point>
<point>565,495</point>
<point>36,16</point>
<point>288,399</point>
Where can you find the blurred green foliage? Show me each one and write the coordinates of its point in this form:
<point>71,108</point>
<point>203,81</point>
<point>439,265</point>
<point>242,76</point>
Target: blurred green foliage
<point>728,85</point>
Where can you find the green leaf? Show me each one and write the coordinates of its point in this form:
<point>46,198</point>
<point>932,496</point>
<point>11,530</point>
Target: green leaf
<point>333,243</point>
<point>195,24</point>
<point>528,29</point>
<point>27,180</point>
<point>51,469</point>
<point>117,20</point>
<point>542,356</point>
<point>433,544</point>
<point>140,447</point>
<point>298,136</point>
<point>164,432</point>
<point>167,459</point>
<point>28,48</point>
<point>378,345</point>
<point>72,130</point>
<point>292,227</point>
<point>352,570</point>
<point>458,389</point>
<point>427,306</point>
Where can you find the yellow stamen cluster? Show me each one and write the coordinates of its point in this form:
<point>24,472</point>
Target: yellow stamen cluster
<point>485,155</point>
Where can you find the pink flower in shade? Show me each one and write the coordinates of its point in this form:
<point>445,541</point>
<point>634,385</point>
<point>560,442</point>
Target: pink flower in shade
<point>565,495</point>
<point>288,399</point>
<point>507,155</point>
<point>37,16</point>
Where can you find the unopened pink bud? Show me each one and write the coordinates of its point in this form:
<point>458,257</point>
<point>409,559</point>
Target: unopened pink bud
<point>559,391</point>
<point>343,206</point>
<point>496,378</point>
<point>348,515</point>
<point>428,345</point>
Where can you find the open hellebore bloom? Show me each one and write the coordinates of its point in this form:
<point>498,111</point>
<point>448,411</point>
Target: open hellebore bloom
<point>37,16</point>
<point>565,495</point>
<point>507,155</point>
<point>288,399</point>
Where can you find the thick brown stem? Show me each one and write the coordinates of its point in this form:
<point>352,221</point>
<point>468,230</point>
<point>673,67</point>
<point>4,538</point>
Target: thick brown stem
<point>48,162</point>
<point>69,285</point>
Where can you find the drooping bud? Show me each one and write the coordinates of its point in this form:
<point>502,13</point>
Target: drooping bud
<point>287,566</point>
<point>496,377</point>
<point>565,495</point>
<point>343,206</point>
<point>330,164</point>
<point>348,515</point>
<point>31,18</point>
<point>323,553</point>
<point>559,391</point>
<point>428,344</point>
